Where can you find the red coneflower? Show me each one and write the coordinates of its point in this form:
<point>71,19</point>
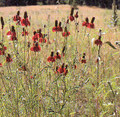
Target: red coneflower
<point>75,66</point>
<point>98,59</point>
<point>56,70</point>
<point>67,21</point>
<point>36,36</point>
<point>65,33</point>
<point>8,59</point>
<point>59,27</point>
<point>71,15</point>
<point>35,47</point>
<point>86,22</point>
<point>51,58</point>
<point>24,33</point>
<point>9,33</point>
<point>57,56</point>
<point>2,49</point>
<point>76,15</point>
<point>29,44</point>
<point>31,77</point>
<point>91,25</point>
<point>98,42</point>
<point>61,69</point>
<point>83,58</point>
<point>0,64</point>
<point>66,70</point>
<point>23,68</point>
<point>40,34</point>
<point>25,21</point>
<point>2,52</point>
<point>93,84</point>
<point>13,34</point>
<point>42,40</point>
<point>17,18</point>
<point>55,29</point>
<point>71,18</point>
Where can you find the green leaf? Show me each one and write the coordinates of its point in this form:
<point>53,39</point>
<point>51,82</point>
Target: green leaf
<point>110,44</point>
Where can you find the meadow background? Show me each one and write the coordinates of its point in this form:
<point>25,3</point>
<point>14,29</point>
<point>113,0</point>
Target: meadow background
<point>38,91</point>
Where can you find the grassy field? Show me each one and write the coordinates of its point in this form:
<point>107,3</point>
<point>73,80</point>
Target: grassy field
<point>31,86</point>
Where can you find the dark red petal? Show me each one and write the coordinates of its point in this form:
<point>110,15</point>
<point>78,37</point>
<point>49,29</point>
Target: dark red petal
<point>71,18</point>
<point>9,33</point>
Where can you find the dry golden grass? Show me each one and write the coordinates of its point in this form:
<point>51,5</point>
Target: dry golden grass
<point>40,13</point>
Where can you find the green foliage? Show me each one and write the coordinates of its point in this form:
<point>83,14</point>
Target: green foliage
<point>110,44</point>
<point>2,3</point>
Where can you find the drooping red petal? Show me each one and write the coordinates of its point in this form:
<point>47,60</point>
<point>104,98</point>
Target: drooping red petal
<point>0,64</point>
<point>35,49</point>
<point>91,25</point>
<point>59,29</point>
<point>65,34</point>
<point>85,24</point>
<point>9,33</point>
<point>25,22</point>
<point>58,57</point>
<point>71,18</point>
<point>61,70</point>
<point>35,37</point>
<point>25,33</point>
<point>98,42</point>
<point>16,18</point>
<point>8,59</point>
<point>83,61</point>
<point>51,59</point>
<point>43,40</point>
<point>54,29</point>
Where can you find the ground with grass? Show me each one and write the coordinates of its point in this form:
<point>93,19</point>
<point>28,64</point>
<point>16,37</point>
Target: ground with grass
<point>87,84</point>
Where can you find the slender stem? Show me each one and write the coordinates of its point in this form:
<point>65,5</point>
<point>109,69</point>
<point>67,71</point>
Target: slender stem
<point>2,36</point>
<point>85,30</point>
<point>98,67</point>
<point>114,95</point>
<point>56,43</point>
<point>97,103</point>
<point>119,61</point>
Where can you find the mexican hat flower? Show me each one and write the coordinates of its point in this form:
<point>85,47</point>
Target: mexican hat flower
<point>36,47</point>
<point>17,18</point>
<point>55,29</point>
<point>86,22</point>
<point>71,17</point>
<point>65,33</point>
<point>83,60</point>
<point>2,49</point>
<point>98,41</point>
<point>57,56</point>
<point>91,24</point>
<point>36,36</point>
<point>76,15</point>
<point>8,58</point>
<point>51,58</point>
<point>25,22</point>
